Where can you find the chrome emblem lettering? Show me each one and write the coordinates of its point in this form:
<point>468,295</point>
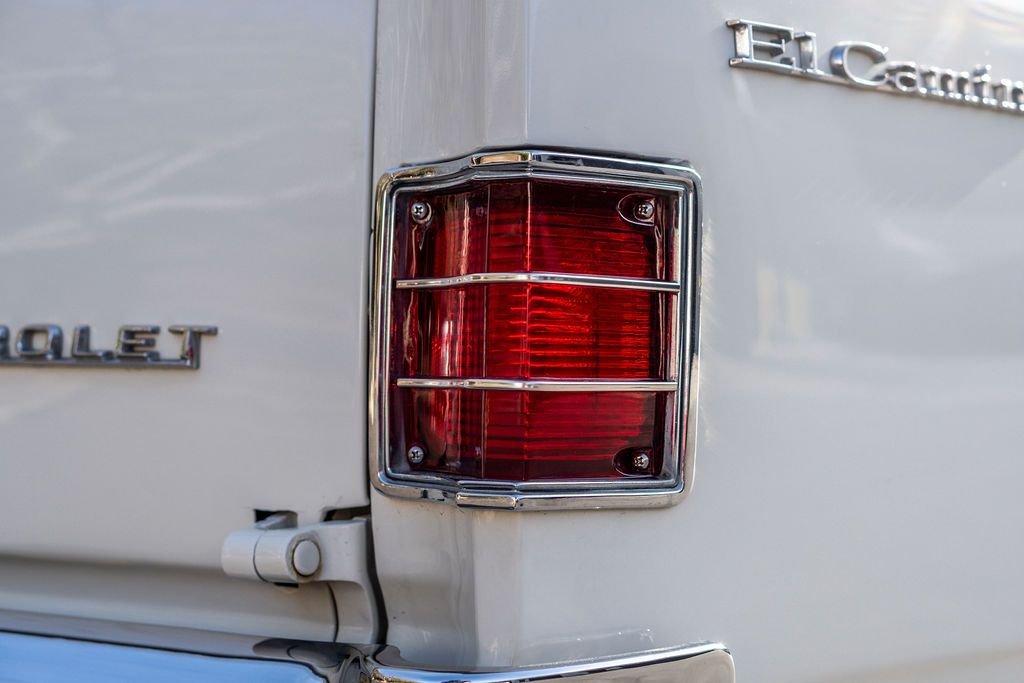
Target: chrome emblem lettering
<point>784,50</point>
<point>135,347</point>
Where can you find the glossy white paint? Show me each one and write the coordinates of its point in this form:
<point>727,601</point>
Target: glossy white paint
<point>451,78</point>
<point>200,163</point>
<point>855,511</point>
<point>165,596</point>
<point>166,164</point>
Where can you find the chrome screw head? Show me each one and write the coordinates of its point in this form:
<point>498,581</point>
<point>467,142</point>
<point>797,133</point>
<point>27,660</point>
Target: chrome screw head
<point>644,211</point>
<point>416,455</point>
<point>641,461</point>
<point>420,211</point>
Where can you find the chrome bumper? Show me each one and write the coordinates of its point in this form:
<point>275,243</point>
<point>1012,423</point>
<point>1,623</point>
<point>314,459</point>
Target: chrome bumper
<point>27,657</point>
<point>704,663</point>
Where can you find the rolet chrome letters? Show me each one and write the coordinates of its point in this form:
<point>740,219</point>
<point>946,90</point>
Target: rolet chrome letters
<point>43,346</point>
<point>783,50</point>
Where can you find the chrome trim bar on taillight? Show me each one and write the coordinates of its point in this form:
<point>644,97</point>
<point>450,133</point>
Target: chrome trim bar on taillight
<point>557,278</point>
<point>535,385</point>
<point>682,361</point>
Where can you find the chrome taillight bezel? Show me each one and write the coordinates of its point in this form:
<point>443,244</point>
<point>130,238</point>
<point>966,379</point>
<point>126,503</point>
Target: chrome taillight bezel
<point>550,494</point>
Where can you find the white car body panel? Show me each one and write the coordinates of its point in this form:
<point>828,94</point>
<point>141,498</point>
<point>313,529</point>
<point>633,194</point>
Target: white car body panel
<point>171,164</point>
<point>856,500</point>
<point>860,372</point>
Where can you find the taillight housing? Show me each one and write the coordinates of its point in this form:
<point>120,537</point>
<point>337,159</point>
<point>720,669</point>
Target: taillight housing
<point>533,331</point>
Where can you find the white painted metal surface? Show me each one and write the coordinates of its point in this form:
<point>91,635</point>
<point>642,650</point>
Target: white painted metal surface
<point>172,164</point>
<point>857,497</point>
<point>166,163</point>
<point>167,596</point>
<point>333,554</point>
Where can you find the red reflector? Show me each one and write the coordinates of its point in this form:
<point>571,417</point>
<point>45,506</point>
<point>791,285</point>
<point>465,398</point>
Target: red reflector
<point>532,330</point>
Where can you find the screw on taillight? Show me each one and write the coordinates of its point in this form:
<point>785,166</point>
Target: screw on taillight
<point>534,330</point>
<point>416,454</point>
<point>420,212</point>
<point>644,210</point>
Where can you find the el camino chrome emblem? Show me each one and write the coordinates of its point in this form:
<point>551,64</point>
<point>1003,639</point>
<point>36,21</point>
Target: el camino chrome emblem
<point>43,346</point>
<point>783,50</point>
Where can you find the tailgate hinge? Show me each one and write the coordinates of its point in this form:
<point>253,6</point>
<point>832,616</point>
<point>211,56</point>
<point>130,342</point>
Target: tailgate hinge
<point>336,553</point>
<point>273,552</point>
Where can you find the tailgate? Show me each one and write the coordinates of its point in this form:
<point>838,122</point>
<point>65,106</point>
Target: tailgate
<point>172,164</point>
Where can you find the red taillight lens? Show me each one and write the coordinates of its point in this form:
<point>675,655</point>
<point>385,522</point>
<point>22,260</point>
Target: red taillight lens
<point>531,435</point>
<point>535,225</point>
<point>531,324</point>
<point>519,330</point>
